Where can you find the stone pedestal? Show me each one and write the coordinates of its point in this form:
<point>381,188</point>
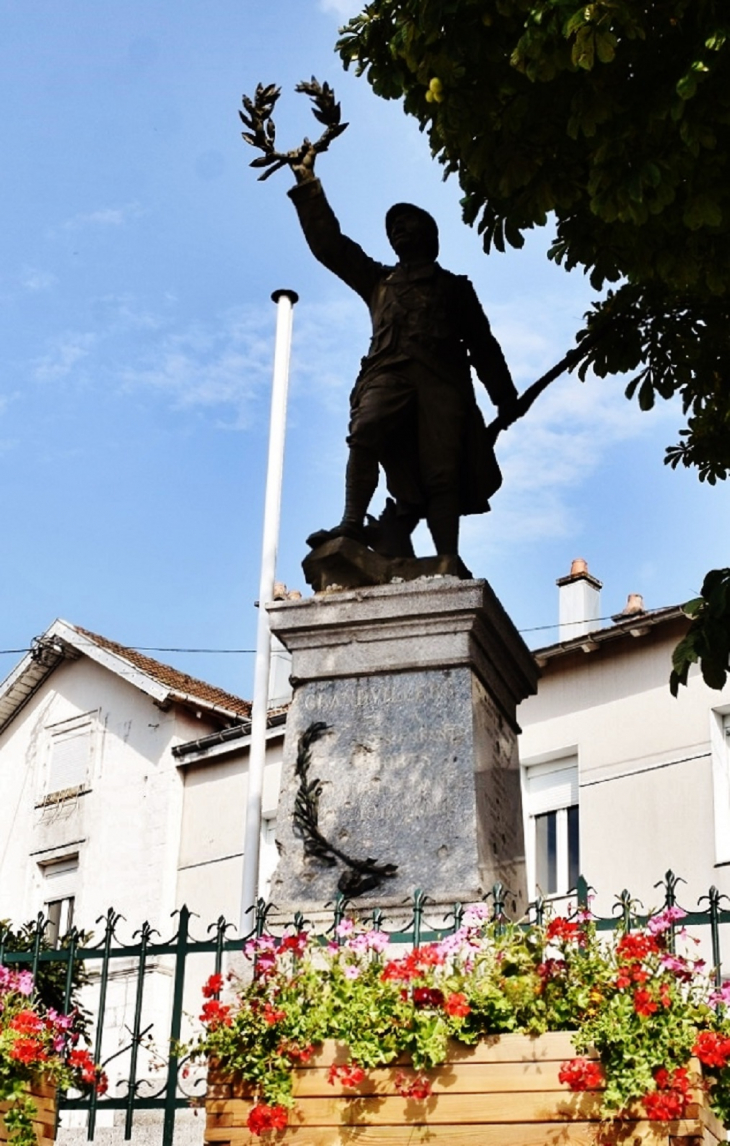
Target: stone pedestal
<point>418,686</point>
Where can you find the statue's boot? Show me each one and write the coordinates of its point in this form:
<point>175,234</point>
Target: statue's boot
<point>361,481</point>
<point>344,529</point>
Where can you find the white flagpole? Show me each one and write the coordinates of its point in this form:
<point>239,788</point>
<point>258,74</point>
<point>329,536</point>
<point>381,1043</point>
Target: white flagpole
<point>285,300</point>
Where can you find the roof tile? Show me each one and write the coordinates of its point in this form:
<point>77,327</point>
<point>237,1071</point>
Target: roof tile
<point>172,678</point>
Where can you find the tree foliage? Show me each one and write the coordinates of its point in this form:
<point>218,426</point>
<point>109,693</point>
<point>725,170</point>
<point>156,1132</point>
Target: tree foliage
<point>708,638</point>
<point>612,120</point>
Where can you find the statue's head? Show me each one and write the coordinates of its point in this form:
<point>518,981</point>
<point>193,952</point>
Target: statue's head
<point>412,232</point>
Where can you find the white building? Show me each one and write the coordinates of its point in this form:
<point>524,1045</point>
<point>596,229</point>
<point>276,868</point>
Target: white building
<point>621,780</point>
<point>99,808</point>
<point>104,803</point>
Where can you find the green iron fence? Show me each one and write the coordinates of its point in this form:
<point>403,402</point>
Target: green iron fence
<point>172,1091</point>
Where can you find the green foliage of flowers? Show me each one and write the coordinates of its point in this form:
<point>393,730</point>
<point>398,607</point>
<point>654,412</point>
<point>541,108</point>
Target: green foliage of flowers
<point>37,1044</point>
<point>644,1009</point>
<point>50,980</point>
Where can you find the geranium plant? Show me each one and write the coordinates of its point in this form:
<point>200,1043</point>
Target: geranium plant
<point>37,1044</point>
<point>644,1010</point>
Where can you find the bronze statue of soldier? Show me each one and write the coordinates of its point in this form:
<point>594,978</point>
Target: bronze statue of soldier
<point>413,408</point>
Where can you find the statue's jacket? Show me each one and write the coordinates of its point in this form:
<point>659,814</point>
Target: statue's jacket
<point>422,315</point>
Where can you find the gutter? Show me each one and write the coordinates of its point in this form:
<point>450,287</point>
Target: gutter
<point>242,731</point>
<point>634,625</point>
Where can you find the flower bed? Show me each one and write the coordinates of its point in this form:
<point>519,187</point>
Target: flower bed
<point>39,1052</point>
<point>457,1038</point>
<point>505,1091</point>
<point>43,1119</point>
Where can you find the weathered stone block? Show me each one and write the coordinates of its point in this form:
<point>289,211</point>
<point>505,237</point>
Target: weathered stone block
<point>418,686</point>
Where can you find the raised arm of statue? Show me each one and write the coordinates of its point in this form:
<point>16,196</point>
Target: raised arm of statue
<point>340,254</point>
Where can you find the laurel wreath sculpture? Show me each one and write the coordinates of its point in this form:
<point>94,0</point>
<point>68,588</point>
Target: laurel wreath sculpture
<point>261,133</point>
<point>363,875</point>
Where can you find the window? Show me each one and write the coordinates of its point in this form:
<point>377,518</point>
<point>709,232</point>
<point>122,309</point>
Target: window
<point>553,827</point>
<point>70,755</point>
<point>59,886</point>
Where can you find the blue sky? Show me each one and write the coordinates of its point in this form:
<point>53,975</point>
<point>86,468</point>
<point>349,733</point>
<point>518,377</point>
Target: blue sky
<point>138,257</point>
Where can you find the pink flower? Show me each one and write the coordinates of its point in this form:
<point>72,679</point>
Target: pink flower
<point>351,971</point>
<point>664,920</point>
<point>721,996</point>
<point>24,983</point>
<point>346,927</point>
<point>377,940</point>
<point>263,945</point>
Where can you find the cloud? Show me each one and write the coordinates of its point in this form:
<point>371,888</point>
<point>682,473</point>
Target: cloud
<point>228,364</point>
<point>33,279</point>
<point>105,217</point>
<point>329,339</point>
<point>547,456</point>
<point>69,351</point>
<point>208,366</point>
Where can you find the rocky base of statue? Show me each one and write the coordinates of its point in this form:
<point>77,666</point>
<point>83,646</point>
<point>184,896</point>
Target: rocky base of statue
<point>400,760</point>
<point>346,564</point>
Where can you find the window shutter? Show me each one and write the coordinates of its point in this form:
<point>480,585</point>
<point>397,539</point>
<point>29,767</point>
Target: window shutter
<point>549,791</point>
<point>70,756</point>
<point>59,878</point>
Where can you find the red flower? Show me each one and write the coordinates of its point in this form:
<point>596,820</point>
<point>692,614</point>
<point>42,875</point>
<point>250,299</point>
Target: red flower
<point>457,1006</point>
<point>426,957</point>
<point>665,995</point>
<point>271,1015</point>
<point>82,1061</point>
<point>551,968</point>
<point>102,1083</point>
<point>428,997</point>
<point>665,1105</point>
<point>263,1117</point>
<point>712,1049</point>
<point>28,1050</point>
<point>295,1053</point>
<point>213,986</point>
<point>669,1101</point>
<point>581,1074</point>
<point>412,965</point>
<point>564,930</point>
<point>349,1075</point>
<point>295,943</point>
<point>419,1087</point>
<point>644,1003</point>
<point>27,1022</point>
<point>215,1014</point>
<point>636,947</point>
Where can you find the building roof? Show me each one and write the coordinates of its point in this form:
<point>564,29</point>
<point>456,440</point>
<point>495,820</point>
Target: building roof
<point>631,625</point>
<point>179,683</point>
<point>165,684</point>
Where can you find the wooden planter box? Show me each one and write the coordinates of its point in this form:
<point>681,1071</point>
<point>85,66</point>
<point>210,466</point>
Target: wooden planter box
<point>44,1097</point>
<point>503,1092</point>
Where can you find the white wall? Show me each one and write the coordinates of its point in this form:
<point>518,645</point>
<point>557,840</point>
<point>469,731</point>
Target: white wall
<point>125,826</point>
<point>211,842</point>
<point>649,793</point>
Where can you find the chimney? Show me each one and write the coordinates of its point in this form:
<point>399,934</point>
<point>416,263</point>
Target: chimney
<point>579,601</point>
